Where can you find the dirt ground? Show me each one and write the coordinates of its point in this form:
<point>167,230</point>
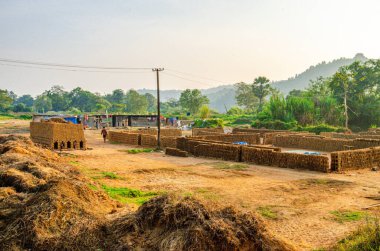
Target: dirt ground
<point>297,205</point>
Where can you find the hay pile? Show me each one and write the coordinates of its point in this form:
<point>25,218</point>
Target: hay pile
<point>45,205</point>
<point>166,223</point>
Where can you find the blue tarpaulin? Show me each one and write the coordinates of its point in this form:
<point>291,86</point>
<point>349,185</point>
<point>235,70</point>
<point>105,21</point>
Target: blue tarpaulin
<point>71,119</point>
<point>241,143</point>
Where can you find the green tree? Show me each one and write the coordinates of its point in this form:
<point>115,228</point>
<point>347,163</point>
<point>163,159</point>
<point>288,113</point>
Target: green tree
<point>136,103</point>
<point>21,107</point>
<point>5,100</point>
<point>277,108</point>
<point>261,89</point>
<point>83,100</point>
<point>25,99</point>
<point>171,107</point>
<point>59,98</point>
<point>102,105</point>
<point>117,100</point>
<point>252,96</point>
<point>192,100</point>
<point>152,102</point>
<point>301,109</point>
<point>204,112</point>
<point>245,96</point>
<point>42,103</point>
<point>235,110</point>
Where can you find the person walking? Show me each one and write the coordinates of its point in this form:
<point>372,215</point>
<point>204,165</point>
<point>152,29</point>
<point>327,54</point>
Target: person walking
<point>104,133</point>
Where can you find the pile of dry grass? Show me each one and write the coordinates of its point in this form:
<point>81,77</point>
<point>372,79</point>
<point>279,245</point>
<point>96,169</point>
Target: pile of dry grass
<point>45,205</point>
<point>169,223</point>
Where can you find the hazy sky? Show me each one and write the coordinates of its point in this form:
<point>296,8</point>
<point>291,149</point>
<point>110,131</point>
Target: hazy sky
<point>228,41</point>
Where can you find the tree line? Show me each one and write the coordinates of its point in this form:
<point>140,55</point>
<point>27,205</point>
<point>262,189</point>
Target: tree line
<point>350,97</point>
<point>78,101</point>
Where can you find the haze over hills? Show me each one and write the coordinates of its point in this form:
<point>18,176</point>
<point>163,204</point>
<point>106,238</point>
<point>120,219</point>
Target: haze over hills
<point>223,97</point>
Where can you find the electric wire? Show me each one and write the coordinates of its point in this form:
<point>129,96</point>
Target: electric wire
<point>71,70</point>
<point>189,74</point>
<point>17,61</point>
<point>188,79</point>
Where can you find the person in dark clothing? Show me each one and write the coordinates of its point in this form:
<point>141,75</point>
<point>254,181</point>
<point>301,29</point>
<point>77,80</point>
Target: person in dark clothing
<point>104,134</point>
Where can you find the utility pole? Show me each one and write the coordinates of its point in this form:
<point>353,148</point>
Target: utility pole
<point>157,70</point>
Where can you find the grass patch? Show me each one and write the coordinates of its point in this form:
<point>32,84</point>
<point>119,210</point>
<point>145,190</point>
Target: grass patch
<point>110,175</point>
<point>6,116</point>
<point>128,195</point>
<point>74,162</point>
<point>328,182</point>
<point>140,150</point>
<point>93,187</point>
<point>367,237</point>
<point>187,194</point>
<point>229,166</point>
<point>267,212</point>
<point>347,216</point>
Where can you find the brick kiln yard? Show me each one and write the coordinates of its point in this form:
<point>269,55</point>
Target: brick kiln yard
<point>298,205</point>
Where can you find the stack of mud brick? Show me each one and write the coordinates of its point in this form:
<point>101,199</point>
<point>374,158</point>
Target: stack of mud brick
<point>58,135</point>
<point>163,132</point>
<point>146,137</point>
<point>219,151</point>
<point>349,136</point>
<point>125,138</point>
<point>373,131</point>
<point>253,130</point>
<point>231,138</point>
<point>274,157</point>
<point>355,159</point>
<point>376,156</point>
<point>148,140</point>
<point>206,131</point>
<point>365,143</point>
<point>151,140</point>
<point>181,143</point>
<point>268,137</point>
<point>175,152</point>
<point>168,141</point>
<point>318,143</point>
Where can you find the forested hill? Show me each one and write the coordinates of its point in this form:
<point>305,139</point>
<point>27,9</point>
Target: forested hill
<point>223,97</point>
<point>301,81</point>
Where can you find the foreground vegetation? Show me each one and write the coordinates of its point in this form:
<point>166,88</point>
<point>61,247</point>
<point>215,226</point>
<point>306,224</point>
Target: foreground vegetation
<point>366,238</point>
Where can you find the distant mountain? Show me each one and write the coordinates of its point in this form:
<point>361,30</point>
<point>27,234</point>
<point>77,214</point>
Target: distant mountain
<point>222,97</point>
<point>302,81</point>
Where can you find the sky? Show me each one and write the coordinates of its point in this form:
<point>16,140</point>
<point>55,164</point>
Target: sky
<point>200,43</point>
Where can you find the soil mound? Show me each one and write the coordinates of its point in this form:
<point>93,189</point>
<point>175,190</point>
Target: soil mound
<point>45,205</point>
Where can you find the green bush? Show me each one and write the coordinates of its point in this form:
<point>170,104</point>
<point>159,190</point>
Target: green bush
<point>275,124</point>
<point>208,123</point>
<point>320,128</point>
